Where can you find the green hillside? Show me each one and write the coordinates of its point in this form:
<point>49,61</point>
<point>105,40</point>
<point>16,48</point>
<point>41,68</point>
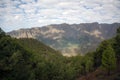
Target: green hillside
<point>15,61</point>
<point>39,49</point>
<point>29,59</point>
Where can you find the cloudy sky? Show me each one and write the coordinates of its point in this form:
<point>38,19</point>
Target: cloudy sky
<point>15,14</point>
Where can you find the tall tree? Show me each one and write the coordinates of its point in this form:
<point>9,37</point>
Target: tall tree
<point>109,59</point>
<point>98,53</point>
<point>117,43</point>
<point>2,33</point>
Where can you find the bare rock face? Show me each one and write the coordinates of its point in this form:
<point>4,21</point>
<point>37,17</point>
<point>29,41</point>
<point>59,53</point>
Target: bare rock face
<point>70,39</point>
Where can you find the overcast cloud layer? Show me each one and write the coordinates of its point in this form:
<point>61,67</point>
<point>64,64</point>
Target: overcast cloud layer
<point>15,14</point>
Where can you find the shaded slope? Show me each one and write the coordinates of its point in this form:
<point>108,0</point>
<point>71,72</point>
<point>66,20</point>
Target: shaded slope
<point>39,49</point>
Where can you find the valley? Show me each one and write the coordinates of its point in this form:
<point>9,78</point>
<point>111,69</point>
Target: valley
<point>70,39</point>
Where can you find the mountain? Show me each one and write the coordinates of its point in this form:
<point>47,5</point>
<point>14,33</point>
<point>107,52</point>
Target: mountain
<point>70,39</point>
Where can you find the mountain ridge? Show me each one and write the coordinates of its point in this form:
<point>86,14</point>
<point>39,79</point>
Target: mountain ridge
<point>70,39</point>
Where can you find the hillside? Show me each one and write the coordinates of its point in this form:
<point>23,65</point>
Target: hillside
<point>23,59</point>
<point>29,59</point>
<point>70,39</point>
<point>39,49</point>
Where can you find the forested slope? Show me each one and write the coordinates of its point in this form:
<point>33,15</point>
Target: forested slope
<point>29,59</point>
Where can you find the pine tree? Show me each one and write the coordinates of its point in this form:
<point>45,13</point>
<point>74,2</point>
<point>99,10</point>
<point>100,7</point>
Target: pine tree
<point>2,33</point>
<point>117,43</point>
<point>109,59</point>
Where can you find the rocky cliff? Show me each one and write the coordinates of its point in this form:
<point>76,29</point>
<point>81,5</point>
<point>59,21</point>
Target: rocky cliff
<point>70,39</point>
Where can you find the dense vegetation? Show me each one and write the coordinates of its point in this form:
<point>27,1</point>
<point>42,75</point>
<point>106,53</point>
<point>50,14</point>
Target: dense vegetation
<point>29,59</point>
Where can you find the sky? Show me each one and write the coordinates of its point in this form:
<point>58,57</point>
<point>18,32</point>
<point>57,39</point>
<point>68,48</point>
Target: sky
<point>16,14</point>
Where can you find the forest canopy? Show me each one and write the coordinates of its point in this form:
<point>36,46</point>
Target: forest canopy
<point>29,59</point>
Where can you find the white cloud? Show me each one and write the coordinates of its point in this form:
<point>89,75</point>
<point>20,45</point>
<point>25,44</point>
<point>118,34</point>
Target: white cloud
<point>30,13</point>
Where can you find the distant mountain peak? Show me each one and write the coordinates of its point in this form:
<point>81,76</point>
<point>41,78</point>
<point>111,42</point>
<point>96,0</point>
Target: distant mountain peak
<point>70,39</point>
